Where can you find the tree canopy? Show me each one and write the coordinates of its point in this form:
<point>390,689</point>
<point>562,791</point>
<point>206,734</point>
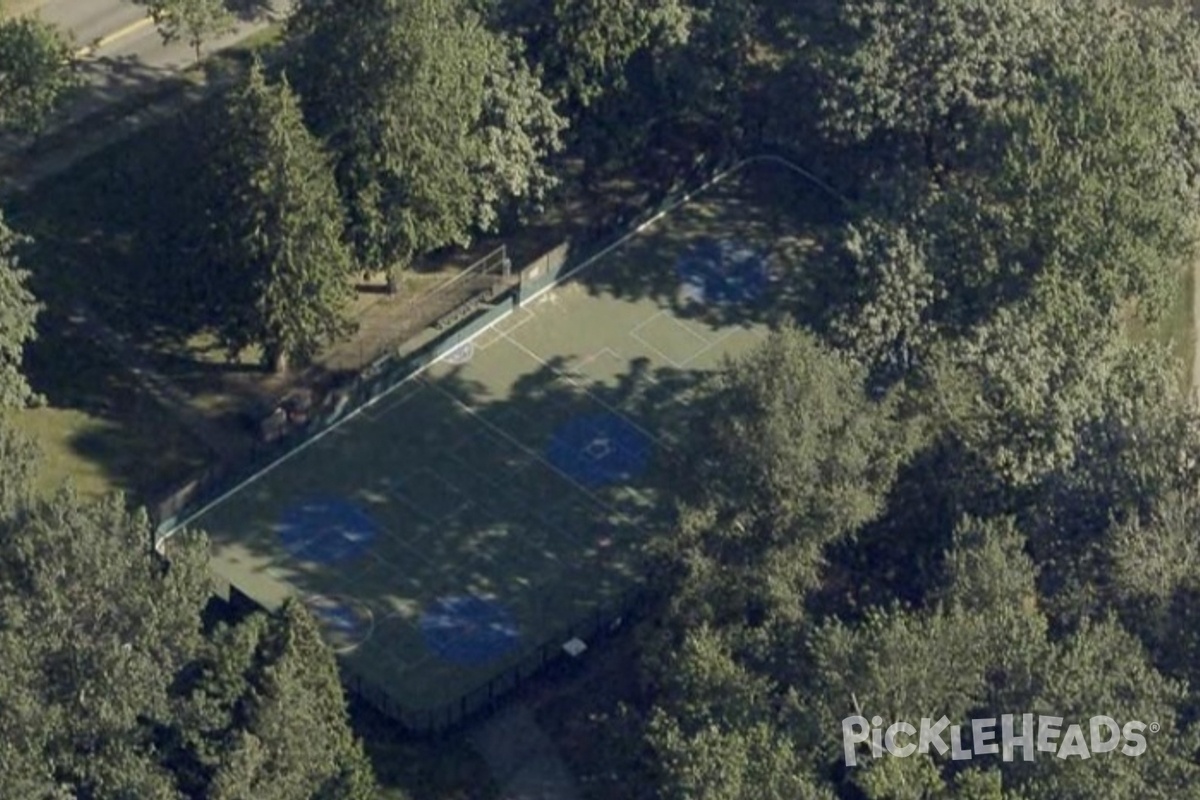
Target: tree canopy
<point>192,21</point>
<point>441,127</point>
<point>1023,179</point>
<point>114,687</point>
<point>35,72</point>
<point>281,271</point>
<point>18,315</point>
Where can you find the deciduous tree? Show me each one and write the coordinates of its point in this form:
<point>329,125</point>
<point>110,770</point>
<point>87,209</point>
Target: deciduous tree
<point>789,454</point>
<point>35,72</point>
<point>191,21</point>
<point>93,629</point>
<point>419,99</point>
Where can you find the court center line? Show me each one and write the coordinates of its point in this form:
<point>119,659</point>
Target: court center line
<point>705,349</point>
<point>586,393</point>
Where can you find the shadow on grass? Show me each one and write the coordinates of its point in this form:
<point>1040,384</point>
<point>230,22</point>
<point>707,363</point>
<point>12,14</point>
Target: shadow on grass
<point>137,446</point>
<point>120,231</point>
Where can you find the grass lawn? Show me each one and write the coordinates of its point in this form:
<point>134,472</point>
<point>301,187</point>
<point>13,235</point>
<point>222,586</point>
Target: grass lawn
<point>98,428</point>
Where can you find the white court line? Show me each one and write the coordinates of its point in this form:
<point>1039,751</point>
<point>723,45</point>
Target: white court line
<point>665,357</point>
<point>586,393</point>
<point>376,414</point>
<point>313,440</point>
<point>589,261</point>
<point>706,348</point>
<point>594,357</point>
<point>521,446</point>
<point>413,551</point>
<point>398,494</point>
<point>685,198</point>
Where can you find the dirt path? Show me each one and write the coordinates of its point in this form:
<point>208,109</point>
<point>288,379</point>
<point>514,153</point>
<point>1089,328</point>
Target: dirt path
<point>524,761</point>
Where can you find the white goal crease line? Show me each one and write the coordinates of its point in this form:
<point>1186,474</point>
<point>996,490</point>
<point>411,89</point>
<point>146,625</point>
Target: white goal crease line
<point>515,442</point>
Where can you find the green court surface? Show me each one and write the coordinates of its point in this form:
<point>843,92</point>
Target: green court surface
<point>479,509</point>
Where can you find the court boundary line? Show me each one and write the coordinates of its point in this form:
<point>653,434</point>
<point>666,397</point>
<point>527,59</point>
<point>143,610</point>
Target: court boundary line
<point>376,414</point>
<point>686,197</point>
<point>465,503</point>
<point>633,332</point>
<point>711,344</point>
<point>417,373</point>
<point>608,351</point>
<point>584,389</point>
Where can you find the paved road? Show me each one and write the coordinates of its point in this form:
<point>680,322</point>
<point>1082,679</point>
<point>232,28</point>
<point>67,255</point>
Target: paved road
<point>91,20</point>
<point>121,30</point>
<point>122,54</point>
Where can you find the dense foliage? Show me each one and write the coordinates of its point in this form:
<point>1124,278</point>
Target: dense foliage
<point>1025,175</point>
<point>114,686</point>
<point>434,132</point>
<point>278,271</point>
<point>35,72</point>
<point>959,488</point>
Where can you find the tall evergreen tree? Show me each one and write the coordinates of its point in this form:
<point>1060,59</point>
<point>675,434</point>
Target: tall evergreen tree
<point>269,718</point>
<point>282,277</point>
<point>18,315</point>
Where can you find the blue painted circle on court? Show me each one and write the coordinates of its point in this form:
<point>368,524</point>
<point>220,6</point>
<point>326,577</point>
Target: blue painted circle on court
<point>723,272</point>
<point>338,617</point>
<point>345,623</point>
<point>599,449</point>
<point>326,530</point>
<point>469,630</point>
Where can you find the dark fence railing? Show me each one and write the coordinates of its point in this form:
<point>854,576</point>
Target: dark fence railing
<point>602,622</point>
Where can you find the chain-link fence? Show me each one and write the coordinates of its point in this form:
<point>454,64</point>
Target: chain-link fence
<point>604,621</point>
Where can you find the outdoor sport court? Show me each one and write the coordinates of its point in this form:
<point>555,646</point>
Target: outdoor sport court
<point>482,507</point>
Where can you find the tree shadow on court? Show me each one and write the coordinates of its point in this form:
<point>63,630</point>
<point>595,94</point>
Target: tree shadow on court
<point>471,499</point>
<point>786,221</point>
